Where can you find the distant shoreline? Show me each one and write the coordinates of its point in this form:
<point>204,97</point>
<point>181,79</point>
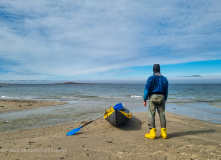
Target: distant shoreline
<point>68,83</point>
<point>2,82</point>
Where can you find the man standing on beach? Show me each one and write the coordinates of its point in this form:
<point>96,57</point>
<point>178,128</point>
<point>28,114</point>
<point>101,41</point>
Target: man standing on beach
<point>156,91</point>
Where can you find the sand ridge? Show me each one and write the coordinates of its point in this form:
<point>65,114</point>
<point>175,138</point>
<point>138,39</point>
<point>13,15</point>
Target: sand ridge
<point>15,105</point>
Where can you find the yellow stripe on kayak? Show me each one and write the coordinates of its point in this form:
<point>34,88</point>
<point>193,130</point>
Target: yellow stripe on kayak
<point>128,115</point>
<point>111,110</point>
<point>108,112</point>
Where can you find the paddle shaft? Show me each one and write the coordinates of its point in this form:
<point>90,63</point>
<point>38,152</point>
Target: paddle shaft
<point>91,121</point>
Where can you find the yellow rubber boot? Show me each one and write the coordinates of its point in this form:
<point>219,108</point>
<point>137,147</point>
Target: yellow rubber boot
<point>152,134</point>
<point>163,133</point>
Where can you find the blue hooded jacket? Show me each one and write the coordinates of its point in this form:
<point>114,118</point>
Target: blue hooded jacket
<point>156,84</point>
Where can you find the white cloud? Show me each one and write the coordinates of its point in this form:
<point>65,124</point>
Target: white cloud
<point>70,38</point>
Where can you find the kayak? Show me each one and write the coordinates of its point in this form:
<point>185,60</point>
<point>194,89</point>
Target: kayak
<point>117,117</point>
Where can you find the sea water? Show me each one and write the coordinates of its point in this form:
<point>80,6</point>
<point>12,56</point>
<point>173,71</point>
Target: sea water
<point>87,101</point>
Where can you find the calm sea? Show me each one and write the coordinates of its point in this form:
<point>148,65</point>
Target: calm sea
<point>87,101</point>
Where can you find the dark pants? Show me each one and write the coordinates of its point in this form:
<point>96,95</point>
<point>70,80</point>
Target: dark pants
<point>156,102</point>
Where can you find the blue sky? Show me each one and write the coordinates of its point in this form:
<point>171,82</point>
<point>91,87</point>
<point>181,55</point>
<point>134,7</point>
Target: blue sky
<point>110,40</point>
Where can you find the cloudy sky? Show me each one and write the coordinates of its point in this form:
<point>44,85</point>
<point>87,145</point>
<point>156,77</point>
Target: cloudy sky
<point>110,40</point>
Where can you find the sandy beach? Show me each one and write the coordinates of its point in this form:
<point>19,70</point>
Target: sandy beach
<point>187,139</point>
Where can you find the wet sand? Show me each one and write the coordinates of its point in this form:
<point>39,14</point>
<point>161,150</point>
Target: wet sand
<point>15,105</point>
<point>187,139</point>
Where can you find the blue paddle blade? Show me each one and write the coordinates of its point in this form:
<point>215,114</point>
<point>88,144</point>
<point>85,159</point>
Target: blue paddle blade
<point>72,132</point>
<point>118,106</point>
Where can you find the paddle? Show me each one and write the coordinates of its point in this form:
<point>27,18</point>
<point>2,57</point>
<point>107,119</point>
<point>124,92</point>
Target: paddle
<point>72,132</point>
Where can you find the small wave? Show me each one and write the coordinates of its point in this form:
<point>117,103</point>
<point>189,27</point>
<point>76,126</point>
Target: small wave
<point>7,97</point>
<point>111,97</point>
<point>57,97</point>
<point>131,96</point>
<point>4,97</point>
<point>135,96</point>
<point>66,97</point>
<point>117,97</point>
<point>83,96</point>
<point>179,100</point>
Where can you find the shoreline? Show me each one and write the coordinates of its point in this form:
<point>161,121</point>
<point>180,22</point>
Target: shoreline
<point>10,105</point>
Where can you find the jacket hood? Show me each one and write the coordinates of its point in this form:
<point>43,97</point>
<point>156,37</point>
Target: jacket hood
<point>156,68</point>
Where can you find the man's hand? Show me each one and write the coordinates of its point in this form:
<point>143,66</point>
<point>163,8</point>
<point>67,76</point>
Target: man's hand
<point>145,104</point>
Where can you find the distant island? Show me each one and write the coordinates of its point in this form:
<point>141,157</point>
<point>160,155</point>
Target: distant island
<point>69,83</point>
